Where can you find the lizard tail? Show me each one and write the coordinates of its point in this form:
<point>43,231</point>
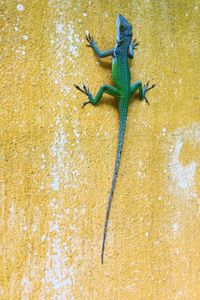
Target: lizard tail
<point>123,116</point>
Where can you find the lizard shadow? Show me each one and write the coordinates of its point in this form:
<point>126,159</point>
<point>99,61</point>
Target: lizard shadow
<point>110,101</point>
<point>135,98</point>
<point>105,64</point>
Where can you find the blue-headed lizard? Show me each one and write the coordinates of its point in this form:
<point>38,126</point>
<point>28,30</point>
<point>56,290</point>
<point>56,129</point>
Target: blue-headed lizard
<point>122,90</point>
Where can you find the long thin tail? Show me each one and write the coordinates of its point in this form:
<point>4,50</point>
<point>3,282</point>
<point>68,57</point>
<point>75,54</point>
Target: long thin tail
<point>123,115</point>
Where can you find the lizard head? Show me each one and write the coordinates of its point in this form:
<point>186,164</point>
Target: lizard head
<point>124,30</point>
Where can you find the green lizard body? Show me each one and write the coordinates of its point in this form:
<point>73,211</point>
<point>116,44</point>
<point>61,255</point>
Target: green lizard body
<point>122,90</point>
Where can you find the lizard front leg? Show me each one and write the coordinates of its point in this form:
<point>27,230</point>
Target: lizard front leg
<point>131,49</point>
<point>98,52</point>
<point>142,89</point>
<point>105,88</point>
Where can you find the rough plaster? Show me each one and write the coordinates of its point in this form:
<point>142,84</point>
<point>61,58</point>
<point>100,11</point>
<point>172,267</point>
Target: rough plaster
<point>57,159</point>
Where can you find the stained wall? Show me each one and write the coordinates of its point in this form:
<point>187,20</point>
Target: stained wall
<point>57,159</point>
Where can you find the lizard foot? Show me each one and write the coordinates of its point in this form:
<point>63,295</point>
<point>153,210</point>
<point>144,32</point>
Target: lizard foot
<point>90,41</point>
<point>135,44</point>
<point>147,88</point>
<point>85,91</point>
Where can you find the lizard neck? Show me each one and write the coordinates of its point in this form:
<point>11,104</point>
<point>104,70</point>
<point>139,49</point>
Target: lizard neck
<point>121,49</point>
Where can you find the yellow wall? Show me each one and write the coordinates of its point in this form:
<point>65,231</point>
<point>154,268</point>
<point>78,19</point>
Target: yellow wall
<point>57,159</point>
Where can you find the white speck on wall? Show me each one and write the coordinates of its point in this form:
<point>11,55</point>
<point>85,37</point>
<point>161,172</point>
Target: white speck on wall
<point>164,130</point>
<point>24,228</point>
<point>75,125</point>
<point>43,237</point>
<point>25,37</point>
<point>56,81</point>
<point>55,183</point>
<point>20,7</point>
<point>83,210</point>
<point>175,227</point>
<point>21,51</point>
<point>60,28</point>
<point>140,172</point>
<point>67,210</point>
<point>12,215</point>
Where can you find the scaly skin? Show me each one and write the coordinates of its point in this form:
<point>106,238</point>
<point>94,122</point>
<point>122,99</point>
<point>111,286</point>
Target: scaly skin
<point>122,90</point>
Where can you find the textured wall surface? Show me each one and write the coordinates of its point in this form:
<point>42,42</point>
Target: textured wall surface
<point>57,159</point>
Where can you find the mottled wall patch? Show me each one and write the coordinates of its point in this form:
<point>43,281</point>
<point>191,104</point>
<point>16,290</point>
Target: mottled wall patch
<point>182,175</point>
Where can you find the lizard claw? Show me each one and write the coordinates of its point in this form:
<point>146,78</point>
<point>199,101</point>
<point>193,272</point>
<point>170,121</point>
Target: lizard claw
<point>151,87</point>
<point>146,89</point>
<point>79,89</point>
<point>85,91</point>
<point>147,101</point>
<point>85,103</point>
<point>135,44</point>
<point>90,40</point>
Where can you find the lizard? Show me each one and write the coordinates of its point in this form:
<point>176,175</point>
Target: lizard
<point>122,90</point>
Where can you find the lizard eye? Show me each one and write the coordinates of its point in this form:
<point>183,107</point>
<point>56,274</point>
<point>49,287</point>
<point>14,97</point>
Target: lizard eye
<point>122,27</point>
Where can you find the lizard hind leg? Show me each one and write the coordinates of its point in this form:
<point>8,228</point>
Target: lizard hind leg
<point>105,88</point>
<point>142,89</point>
